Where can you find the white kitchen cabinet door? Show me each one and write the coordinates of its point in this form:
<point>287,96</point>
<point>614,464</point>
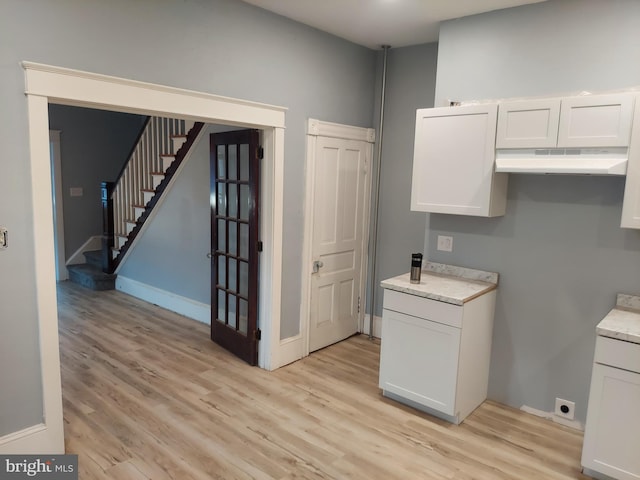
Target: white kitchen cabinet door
<point>631,201</point>
<point>528,124</point>
<point>595,121</point>
<point>612,434</point>
<point>420,360</point>
<point>454,162</point>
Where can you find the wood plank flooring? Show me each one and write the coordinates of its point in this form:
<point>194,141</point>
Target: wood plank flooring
<point>147,395</point>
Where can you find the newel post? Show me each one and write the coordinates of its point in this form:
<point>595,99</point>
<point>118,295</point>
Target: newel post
<point>106,189</point>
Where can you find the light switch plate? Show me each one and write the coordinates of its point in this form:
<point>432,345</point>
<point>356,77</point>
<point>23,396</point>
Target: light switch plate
<point>445,243</point>
<point>3,238</point>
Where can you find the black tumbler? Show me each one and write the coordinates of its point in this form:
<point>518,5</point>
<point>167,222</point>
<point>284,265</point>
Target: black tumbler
<point>416,267</point>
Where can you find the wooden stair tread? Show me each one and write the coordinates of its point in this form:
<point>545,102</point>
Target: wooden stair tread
<point>177,136</point>
<point>135,205</point>
<point>147,190</point>
<point>158,173</point>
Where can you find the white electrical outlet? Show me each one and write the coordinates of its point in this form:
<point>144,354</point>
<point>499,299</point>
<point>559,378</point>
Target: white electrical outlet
<point>445,243</point>
<point>565,408</point>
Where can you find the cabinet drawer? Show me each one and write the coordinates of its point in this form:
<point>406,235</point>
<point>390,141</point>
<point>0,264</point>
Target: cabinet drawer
<point>421,307</point>
<point>618,353</point>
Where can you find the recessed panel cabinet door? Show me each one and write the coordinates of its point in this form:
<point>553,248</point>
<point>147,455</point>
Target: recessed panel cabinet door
<point>595,121</point>
<point>419,360</point>
<point>528,124</point>
<point>612,436</point>
<point>454,162</point>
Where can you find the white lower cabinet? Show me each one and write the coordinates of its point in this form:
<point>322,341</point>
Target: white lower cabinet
<point>435,356</point>
<point>612,433</point>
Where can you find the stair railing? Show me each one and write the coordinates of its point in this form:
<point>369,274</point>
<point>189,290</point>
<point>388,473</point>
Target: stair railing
<point>145,159</point>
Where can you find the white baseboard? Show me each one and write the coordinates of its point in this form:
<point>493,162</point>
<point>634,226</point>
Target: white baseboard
<point>176,303</point>
<point>553,417</point>
<point>288,351</point>
<point>35,440</point>
<point>377,326</point>
<point>93,243</point>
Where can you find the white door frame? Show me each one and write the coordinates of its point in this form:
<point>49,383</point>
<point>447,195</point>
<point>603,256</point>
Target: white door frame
<point>315,129</point>
<point>47,84</point>
<point>61,265</point>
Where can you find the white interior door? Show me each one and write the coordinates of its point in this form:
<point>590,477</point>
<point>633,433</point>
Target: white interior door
<point>340,189</point>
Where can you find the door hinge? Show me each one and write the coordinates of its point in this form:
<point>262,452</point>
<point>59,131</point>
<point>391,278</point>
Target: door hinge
<point>358,304</point>
<point>259,246</point>
<point>258,334</point>
<point>260,153</point>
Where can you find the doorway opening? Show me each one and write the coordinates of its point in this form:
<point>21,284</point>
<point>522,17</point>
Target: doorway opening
<point>46,84</point>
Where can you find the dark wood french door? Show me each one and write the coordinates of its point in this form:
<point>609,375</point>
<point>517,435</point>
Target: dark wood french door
<point>235,246</point>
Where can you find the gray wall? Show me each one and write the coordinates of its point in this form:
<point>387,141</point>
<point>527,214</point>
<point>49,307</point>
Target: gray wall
<point>224,47</point>
<point>559,250</point>
<point>410,84</point>
<point>94,145</point>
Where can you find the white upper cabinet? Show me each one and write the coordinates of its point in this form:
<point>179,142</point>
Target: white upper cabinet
<point>528,124</point>
<point>453,163</point>
<point>571,122</point>
<point>631,202</point>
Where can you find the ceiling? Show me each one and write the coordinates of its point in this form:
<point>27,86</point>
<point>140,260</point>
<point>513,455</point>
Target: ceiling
<point>373,23</point>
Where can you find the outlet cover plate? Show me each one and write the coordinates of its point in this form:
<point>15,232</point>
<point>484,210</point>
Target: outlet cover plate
<point>570,405</point>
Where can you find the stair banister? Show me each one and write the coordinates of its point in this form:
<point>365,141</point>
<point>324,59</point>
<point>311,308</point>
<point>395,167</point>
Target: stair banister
<point>135,190</point>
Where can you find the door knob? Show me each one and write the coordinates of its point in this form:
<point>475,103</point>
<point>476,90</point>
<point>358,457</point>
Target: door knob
<point>317,265</point>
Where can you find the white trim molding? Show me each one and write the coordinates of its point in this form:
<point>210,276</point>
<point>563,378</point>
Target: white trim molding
<point>319,128</point>
<point>92,243</point>
<point>48,84</point>
<point>316,128</point>
<point>575,424</point>
<point>187,307</point>
<point>47,437</point>
<point>33,440</point>
<point>290,350</point>
<point>377,326</point>
<point>77,88</point>
<point>56,159</point>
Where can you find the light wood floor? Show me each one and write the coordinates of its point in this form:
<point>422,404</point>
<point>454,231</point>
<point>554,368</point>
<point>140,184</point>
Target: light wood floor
<point>147,395</point>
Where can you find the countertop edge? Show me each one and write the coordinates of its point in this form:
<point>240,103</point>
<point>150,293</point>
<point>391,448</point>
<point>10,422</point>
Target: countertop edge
<point>621,323</point>
<point>392,284</point>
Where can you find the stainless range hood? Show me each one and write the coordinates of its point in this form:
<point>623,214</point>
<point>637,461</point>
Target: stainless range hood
<point>568,161</point>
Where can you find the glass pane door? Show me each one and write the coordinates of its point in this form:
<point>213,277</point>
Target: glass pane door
<point>234,212</point>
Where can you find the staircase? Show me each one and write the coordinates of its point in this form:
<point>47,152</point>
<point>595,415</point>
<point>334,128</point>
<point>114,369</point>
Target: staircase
<point>159,151</point>
<point>90,274</point>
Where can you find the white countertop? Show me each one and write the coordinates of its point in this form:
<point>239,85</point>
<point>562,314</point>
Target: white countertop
<point>623,322</point>
<point>445,283</point>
